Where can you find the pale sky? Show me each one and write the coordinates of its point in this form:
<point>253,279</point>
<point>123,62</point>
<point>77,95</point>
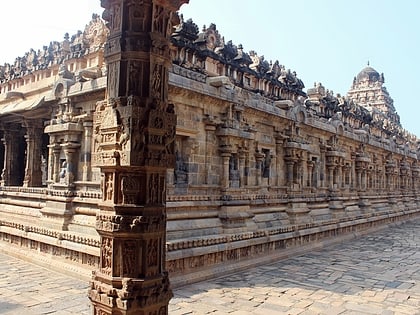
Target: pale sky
<point>327,41</point>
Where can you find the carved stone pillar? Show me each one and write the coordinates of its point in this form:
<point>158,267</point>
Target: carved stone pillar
<point>303,173</point>
<point>69,170</point>
<point>388,174</point>
<point>225,175</point>
<point>310,165</point>
<point>56,150</point>
<point>364,179</point>
<point>10,171</point>
<point>340,181</point>
<point>322,167</point>
<point>210,139</point>
<point>135,129</point>
<point>259,157</point>
<point>87,151</point>
<point>33,174</point>
<point>279,161</point>
<point>289,166</point>
<point>242,176</point>
<point>272,173</point>
<point>331,176</point>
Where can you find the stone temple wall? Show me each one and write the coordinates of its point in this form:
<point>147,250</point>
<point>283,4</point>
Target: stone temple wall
<point>263,169</point>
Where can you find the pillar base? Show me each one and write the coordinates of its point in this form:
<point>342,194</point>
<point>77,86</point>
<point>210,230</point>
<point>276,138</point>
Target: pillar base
<point>129,296</point>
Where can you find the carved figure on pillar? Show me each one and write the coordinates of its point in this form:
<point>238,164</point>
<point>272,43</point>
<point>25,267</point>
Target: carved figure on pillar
<point>134,131</point>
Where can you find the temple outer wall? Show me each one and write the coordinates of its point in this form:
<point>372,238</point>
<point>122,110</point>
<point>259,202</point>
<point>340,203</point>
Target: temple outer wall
<point>213,227</point>
<point>263,170</point>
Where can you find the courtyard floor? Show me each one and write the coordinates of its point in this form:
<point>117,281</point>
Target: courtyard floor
<point>376,274</point>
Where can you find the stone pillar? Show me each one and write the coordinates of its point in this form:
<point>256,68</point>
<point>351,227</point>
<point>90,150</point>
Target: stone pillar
<point>303,173</point>
<point>10,168</point>
<point>340,176</point>
<point>310,172</point>
<point>56,150</point>
<point>388,175</point>
<point>330,176</point>
<point>364,178</point>
<point>87,151</point>
<point>50,165</point>
<point>290,164</point>
<point>259,157</point>
<point>322,164</point>
<point>246,169</point>
<point>137,127</point>
<point>359,178</point>
<point>272,179</point>
<point>210,127</point>
<point>68,171</point>
<point>225,175</point>
<point>279,161</point>
<point>33,174</point>
<point>242,177</point>
<point>353,176</point>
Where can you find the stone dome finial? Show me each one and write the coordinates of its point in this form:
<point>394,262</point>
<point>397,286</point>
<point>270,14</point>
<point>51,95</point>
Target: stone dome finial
<point>368,74</point>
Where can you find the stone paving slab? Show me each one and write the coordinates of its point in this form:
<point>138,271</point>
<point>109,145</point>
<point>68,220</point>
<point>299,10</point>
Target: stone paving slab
<point>376,274</point>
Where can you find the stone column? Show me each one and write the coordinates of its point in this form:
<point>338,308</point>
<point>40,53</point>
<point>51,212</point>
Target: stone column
<point>358,178</point>
<point>364,179</point>
<point>272,179</point>
<point>279,161</point>
<point>340,176</point>
<point>10,168</point>
<point>259,157</point>
<point>242,180</point>
<point>310,172</point>
<point>290,164</point>
<point>388,175</point>
<point>137,127</point>
<point>322,168</point>
<point>303,173</point>
<point>210,127</point>
<point>225,175</point>
<point>68,172</point>
<point>50,165</point>
<point>56,150</point>
<point>33,174</point>
<point>87,151</point>
<point>246,169</point>
<point>330,176</point>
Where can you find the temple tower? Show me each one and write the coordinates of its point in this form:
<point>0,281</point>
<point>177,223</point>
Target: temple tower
<point>368,90</point>
<point>134,132</point>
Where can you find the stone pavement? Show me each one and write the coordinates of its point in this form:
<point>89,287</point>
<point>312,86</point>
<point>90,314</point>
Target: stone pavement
<point>376,274</point>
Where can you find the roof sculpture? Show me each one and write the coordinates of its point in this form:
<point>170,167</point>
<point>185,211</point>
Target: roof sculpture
<point>367,104</point>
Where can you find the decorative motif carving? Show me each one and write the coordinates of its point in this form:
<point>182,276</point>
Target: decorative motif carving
<point>129,258</point>
<point>156,189</point>
<point>131,189</point>
<point>157,84</point>
<point>95,33</point>
<point>137,17</point>
<point>152,252</point>
<point>109,187</point>
<point>135,76</point>
<point>106,255</point>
